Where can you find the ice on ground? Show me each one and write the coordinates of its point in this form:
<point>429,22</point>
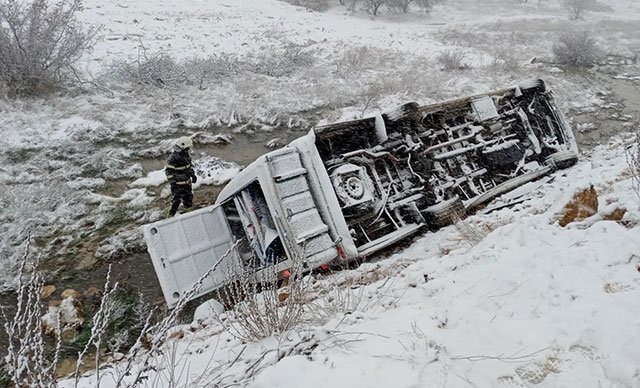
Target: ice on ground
<point>154,178</point>
<point>210,170</point>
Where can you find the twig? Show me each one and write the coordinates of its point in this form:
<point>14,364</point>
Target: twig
<point>501,357</point>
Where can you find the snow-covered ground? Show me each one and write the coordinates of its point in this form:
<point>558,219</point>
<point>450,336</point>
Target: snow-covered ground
<point>508,298</point>
<point>504,299</point>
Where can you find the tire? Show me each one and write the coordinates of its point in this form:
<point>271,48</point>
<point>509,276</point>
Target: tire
<point>445,213</point>
<point>561,160</point>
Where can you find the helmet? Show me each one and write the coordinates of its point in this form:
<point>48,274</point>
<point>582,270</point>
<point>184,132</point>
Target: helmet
<point>184,142</point>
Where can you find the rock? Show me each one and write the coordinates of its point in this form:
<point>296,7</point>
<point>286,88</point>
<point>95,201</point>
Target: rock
<point>274,143</point>
<point>583,205</point>
<point>91,292</point>
<point>70,292</point>
<point>205,138</point>
<point>222,139</point>
<point>47,291</point>
<point>54,303</point>
<point>68,313</point>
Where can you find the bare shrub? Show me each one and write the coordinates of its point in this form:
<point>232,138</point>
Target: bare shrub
<point>161,70</point>
<point>29,362</point>
<point>451,60</point>
<point>372,92</point>
<point>353,61</point>
<point>97,337</point>
<point>202,71</point>
<point>349,295</point>
<point>633,160</point>
<point>404,5</point>
<point>576,8</point>
<point>506,60</point>
<point>263,308</point>
<point>373,6</point>
<point>39,42</point>
<point>576,48</point>
<point>314,5</point>
<point>291,58</point>
<point>149,347</point>
<point>152,70</point>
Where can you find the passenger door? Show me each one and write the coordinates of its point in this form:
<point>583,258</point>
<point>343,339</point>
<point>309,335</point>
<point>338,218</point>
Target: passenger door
<point>186,247</point>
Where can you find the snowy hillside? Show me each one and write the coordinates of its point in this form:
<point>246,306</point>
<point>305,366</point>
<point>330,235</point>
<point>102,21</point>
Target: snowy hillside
<point>505,298</point>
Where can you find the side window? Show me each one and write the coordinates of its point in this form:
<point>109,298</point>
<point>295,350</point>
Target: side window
<point>251,222</point>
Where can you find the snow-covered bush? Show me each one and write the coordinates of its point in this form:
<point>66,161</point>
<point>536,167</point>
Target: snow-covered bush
<point>576,8</point>
<point>576,48</point>
<point>39,42</point>
<point>152,70</point>
<point>202,71</point>
<point>404,5</point>
<point>353,61</point>
<point>29,362</point>
<point>290,58</point>
<point>506,60</point>
<point>451,60</point>
<point>374,6</point>
<point>273,306</point>
<point>314,5</point>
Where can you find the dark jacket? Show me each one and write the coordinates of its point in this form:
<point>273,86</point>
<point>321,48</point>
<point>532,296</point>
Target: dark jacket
<point>179,169</point>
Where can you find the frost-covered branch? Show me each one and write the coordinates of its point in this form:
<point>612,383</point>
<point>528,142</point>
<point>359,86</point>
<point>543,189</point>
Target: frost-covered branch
<point>101,320</point>
<point>28,360</point>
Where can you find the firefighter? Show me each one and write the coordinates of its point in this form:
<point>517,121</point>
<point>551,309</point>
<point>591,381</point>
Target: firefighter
<point>180,175</point>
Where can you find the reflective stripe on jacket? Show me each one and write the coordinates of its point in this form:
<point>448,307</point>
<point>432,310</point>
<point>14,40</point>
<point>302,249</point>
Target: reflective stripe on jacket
<point>179,168</point>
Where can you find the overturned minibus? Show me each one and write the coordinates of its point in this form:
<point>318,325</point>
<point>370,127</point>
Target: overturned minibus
<point>350,189</point>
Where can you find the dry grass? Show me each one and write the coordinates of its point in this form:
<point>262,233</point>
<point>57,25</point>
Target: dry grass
<point>583,204</point>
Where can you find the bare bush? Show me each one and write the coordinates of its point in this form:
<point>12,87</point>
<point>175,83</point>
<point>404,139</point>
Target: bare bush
<point>100,323</point>
<point>576,48</point>
<point>353,61</point>
<point>506,60</point>
<point>451,60</point>
<point>314,5</point>
<point>161,70</point>
<point>576,8</point>
<point>149,348</point>
<point>29,362</point>
<point>371,94</point>
<point>203,71</point>
<point>153,70</point>
<point>404,5</point>
<point>264,308</point>
<point>290,58</point>
<point>39,43</point>
<point>373,6</point>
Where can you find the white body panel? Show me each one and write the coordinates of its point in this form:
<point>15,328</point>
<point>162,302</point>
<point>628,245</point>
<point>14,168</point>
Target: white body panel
<point>185,247</point>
